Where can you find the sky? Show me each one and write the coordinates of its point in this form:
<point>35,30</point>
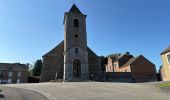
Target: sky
<point>31,28</point>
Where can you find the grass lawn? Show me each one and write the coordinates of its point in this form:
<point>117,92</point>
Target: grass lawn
<point>166,84</point>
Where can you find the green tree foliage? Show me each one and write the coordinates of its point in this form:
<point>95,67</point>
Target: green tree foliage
<point>31,66</point>
<point>114,55</point>
<point>37,68</point>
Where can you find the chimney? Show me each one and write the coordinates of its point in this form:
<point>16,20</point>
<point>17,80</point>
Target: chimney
<point>128,53</point>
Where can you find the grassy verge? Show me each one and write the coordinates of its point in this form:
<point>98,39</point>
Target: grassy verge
<point>164,85</point>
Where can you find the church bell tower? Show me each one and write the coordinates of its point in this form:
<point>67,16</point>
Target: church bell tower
<point>75,45</point>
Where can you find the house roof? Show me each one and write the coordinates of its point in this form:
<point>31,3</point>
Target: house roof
<point>130,61</point>
<point>166,50</point>
<point>13,66</point>
<point>75,9</point>
<point>121,57</point>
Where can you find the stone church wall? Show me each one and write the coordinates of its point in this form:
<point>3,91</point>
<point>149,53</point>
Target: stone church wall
<point>53,62</point>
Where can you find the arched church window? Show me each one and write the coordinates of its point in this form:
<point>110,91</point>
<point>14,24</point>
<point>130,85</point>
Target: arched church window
<point>76,23</point>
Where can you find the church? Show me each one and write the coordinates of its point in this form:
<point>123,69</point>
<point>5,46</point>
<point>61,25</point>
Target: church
<point>72,58</point>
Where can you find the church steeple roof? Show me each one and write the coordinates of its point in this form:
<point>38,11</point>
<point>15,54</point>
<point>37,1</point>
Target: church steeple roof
<point>75,9</point>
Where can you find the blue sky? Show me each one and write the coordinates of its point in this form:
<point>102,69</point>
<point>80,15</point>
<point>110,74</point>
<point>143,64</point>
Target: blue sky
<point>30,28</point>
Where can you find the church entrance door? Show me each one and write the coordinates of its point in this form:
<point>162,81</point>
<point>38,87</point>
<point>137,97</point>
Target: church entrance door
<point>76,68</point>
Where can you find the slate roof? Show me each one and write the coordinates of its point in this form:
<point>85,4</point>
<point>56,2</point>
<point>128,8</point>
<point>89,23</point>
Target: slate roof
<point>75,9</point>
<point>121,56</point>
<point>61,45</point>
<point>14,66</point>
<point>130,61</point>
<point>56,47</point>
<point>166,50</point>
<point>91,52</point>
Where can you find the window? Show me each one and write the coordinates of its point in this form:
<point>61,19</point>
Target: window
<point>18,80</point>
<point>10,74</point>
<point>115,65</point>
<point>10,68</point>
<point>76,23</point>
<point>168,57</point>
<point>76,50</point>
<point>9,80</point>
<point>19,74</point>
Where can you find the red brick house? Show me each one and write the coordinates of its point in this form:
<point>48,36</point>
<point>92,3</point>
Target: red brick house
<point>141,69</point>
<point>109,65</point>
<point>114,63</point>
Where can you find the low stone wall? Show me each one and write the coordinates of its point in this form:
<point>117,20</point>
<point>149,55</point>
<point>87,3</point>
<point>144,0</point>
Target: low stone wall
<point>113,77</point>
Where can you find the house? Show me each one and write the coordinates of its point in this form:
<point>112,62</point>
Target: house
<point>120,61</point>
<point>141,69</point>
<point>13,73</point>
<point>165,69</point>
<point>114,62</point>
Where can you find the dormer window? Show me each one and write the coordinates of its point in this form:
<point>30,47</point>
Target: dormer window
<point>76,23</point>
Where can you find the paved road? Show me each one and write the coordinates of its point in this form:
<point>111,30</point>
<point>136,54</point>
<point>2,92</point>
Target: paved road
<point>12,93</point>
<point>98,91</point>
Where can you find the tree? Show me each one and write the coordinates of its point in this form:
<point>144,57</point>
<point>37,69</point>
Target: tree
<point>30,66</point>
<point>114,55</point>
<point>37,68</point>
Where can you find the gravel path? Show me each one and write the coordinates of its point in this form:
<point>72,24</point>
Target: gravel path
<point>98,91</point>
